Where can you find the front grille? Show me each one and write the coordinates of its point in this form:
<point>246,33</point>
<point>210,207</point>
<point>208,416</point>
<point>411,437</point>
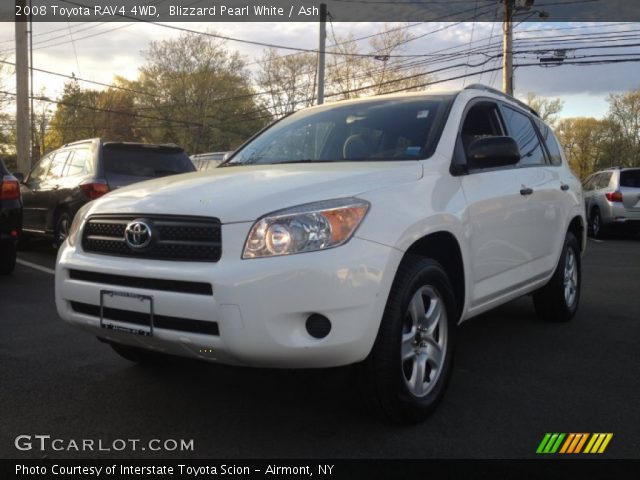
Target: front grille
<point>138,318</point>
<point>179,286</point>
<point>173,237</point>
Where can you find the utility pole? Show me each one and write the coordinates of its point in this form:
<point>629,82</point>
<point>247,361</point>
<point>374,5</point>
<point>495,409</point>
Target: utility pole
<point>23,134</point>
<point>322,41</point>
<point>507,47</point>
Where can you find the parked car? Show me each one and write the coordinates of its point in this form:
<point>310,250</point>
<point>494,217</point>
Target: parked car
<point>10,219</point>
<point>207,161</point>
<point>612,199</point>
<point>360,232</point>
<point>66,179</point>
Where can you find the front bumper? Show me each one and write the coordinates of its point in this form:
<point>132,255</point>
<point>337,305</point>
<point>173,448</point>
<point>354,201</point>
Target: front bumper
<point>260,305</point>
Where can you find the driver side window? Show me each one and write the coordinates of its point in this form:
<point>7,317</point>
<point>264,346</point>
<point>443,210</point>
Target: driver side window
<point>482,120</point>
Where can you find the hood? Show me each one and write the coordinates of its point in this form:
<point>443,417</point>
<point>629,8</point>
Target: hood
<point>245,193</point>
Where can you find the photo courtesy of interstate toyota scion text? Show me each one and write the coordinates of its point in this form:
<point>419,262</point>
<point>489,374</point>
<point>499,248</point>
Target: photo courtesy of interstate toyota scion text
<point>361,232</point>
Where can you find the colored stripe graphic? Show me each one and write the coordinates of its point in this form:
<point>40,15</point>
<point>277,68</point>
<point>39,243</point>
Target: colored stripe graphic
<point>574,442</point>
<point>581,443</point>
<point>598,442</point>
<point>567,442</point>
<point>550,443</point>
<point>544,441</point>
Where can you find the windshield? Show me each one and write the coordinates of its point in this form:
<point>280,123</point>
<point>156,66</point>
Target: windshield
<point>385,129</point>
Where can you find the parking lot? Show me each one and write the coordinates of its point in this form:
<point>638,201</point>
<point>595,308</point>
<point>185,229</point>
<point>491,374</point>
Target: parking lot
<point>515,379</point>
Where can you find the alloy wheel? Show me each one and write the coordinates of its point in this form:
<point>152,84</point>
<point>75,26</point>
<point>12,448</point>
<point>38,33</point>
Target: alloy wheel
<point>424,341</point>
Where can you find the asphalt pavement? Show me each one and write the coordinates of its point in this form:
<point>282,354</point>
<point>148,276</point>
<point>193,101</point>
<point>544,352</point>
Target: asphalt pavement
<point>515,379</point>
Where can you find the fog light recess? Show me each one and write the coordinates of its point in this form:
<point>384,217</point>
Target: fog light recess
<point>318,326</point>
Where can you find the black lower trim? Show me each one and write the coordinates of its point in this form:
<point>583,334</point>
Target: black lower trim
<point>196,288</point>
<point>138,318</point>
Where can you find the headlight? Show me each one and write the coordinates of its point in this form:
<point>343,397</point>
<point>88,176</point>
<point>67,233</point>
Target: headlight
<point>76,224</point>
<point>306,228</point>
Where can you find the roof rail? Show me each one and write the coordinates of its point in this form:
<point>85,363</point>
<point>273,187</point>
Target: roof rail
<point>480,86</point>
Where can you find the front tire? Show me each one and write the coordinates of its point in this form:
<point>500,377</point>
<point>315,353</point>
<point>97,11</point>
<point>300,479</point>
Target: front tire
<point>558,300</point>
<point>407,372</point>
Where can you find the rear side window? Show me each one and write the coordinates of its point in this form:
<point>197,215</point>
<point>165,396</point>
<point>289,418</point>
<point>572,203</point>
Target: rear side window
<point>603,180</point>
<point>146,162</point>
<point>589,183</point>
<point>630,178</point>
<point>79,163</point>
<point>57,164</point>
<point>521,128</point>
<point>40,170</point>
<point>555,155</point>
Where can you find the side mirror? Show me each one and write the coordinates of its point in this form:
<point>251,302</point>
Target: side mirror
<point>492,152</point>
<point>19,176</point>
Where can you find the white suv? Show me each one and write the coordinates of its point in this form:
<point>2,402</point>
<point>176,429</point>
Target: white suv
<point>360,232</point>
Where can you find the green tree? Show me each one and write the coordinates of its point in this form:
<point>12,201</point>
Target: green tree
<point>197,94</point>
<point>7,123</point>
<point>585,142</point>
<point>80,114</point>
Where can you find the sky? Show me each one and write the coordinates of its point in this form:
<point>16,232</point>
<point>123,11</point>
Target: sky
<point>100,51</point>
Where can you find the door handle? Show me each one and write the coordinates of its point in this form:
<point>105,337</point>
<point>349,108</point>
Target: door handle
<point>526,191</point>
<point>564,187</point>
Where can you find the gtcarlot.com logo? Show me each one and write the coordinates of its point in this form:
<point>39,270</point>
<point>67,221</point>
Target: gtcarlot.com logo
<point>572,443</point>
<point>45,443</point>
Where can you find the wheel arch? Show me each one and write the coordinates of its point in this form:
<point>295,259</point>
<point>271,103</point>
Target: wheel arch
<point>577,227</point>
<point>55,214</point>
<point>444,247</point>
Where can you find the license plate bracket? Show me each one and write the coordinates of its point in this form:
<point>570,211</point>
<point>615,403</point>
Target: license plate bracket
<point>130,321</point>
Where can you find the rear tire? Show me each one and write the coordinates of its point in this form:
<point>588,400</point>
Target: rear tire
<point>595,223</point>
<point>406,374</point>
<point>7,257</point>
<point>558,300</point>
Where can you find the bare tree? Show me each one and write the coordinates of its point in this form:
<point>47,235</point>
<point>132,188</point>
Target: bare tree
<point>288,81</point>
<point>547,108</point>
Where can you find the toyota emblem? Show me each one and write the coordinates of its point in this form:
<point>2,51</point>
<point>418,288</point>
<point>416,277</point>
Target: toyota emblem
<point>137,234</point>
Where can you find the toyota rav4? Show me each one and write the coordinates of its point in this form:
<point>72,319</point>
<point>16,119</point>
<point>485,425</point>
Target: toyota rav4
<point>360,232</point>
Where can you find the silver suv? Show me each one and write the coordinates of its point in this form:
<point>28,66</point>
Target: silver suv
<point>612,198</point>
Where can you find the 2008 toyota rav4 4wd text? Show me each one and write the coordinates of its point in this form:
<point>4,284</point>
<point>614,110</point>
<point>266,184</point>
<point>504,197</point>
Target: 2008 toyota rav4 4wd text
<point>360,232</point>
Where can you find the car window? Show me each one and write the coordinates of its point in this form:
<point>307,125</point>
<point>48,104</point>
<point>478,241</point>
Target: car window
<point>482,120</point>
<point>141,161</point>
<point>79,163</point>
<point>603,180</point>
<point>588,183</point>
<point>58,164</point>
<point>39,172</point>
<point>399,129</point>
<point>555,152</point>
<point>521,128</point>
<point>630,178</point>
